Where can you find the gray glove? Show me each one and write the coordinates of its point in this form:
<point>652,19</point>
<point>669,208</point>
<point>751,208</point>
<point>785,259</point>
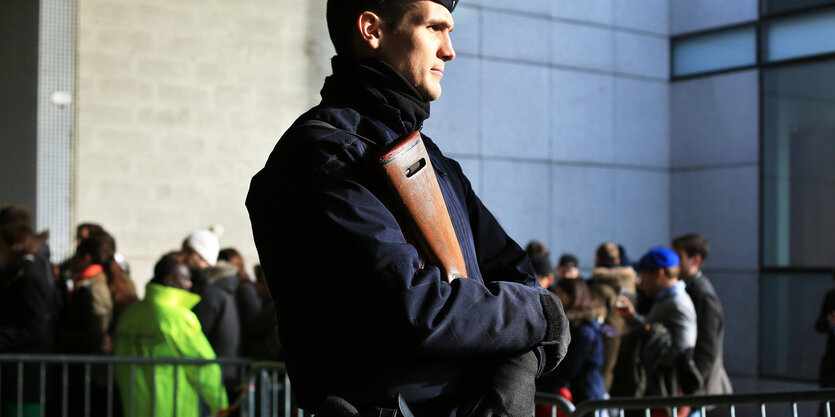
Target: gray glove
<point>557,334</point>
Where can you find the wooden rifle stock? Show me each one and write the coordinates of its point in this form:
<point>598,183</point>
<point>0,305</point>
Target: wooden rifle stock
<point>409,170</point>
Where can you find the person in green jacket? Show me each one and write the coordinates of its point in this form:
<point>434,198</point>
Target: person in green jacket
<point>163,326</point>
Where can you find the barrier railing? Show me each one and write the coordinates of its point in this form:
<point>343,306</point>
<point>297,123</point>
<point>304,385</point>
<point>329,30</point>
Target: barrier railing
<point>96,376</point>
<point>265,390</point>
<point>699,402</point>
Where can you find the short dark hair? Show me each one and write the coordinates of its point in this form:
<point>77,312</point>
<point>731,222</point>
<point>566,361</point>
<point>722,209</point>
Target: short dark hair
<point>608,255</point>
<point>692,244</point>
<point>16,213</point>
<point>343,14</point>
<point>536,247</point>
<point>165,266</point>
<point>578,292</point>
<point>100,246</point>
<point>542,265</point>
<point>568,259</point>
<point>91,228</point>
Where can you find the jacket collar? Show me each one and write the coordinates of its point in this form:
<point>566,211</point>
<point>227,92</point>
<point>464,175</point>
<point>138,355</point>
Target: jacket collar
<point>376,88</point>
<point>170,296</point>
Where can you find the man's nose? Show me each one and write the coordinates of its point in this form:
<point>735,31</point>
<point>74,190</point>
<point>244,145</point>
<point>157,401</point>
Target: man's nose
<point>446,52</point>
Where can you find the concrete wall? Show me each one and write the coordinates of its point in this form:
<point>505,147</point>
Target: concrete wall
<point>559,113</point>
<point>179,104</point>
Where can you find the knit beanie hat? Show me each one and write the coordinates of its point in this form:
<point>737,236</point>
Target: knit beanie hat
<point>206,243</point>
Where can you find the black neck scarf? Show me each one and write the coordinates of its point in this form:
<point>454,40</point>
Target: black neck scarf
<point>377,87</point>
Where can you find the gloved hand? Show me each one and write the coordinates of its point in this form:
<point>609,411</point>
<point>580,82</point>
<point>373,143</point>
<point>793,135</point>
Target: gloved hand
<point>510,389</point>
<point>557,334</point>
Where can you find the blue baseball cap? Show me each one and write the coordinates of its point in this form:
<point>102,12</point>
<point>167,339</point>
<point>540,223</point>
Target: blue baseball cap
<point>656,259</point>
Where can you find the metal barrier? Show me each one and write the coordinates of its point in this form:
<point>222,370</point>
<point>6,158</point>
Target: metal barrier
<point>64,370</point>
<point>265,389</point>
<point>701,402</point>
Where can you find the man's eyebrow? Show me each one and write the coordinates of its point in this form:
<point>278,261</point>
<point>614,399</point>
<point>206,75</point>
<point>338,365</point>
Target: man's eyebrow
<point>439,21</point>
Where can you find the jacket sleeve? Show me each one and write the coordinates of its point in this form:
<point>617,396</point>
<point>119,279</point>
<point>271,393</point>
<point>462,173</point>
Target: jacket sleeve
<point>709,320</point>
<point>207,311</point>
<point>190,342</point>
<point>372,275</point>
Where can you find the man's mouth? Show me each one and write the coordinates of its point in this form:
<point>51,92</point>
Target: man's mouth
<point>438,72</point>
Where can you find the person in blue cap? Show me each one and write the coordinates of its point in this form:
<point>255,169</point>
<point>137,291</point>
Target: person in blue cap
<point>658,277</point>
<point>365,322</point>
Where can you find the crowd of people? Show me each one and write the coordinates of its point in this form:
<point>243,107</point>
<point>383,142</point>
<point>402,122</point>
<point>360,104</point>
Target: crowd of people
<point>652,327</point>
<point>201,304</point>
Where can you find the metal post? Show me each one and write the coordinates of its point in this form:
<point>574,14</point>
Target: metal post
<point>109,390</point>
<point>286,394</point>
<point>20,389</point>
<point>828,412</point>
<point>86,390</point>
<point>553,410</point>
<point>42,400</point>
<point>647,412</point>
<point>675,411</point>
<point>153,390</point>
<point>132,390</point>
<point>762,409</point>
<point>200,384</point>
<point>176,386</point>
<point>65,384</point>
<point>794,409</point>
<point>733,411</point>
<point>274,391</point>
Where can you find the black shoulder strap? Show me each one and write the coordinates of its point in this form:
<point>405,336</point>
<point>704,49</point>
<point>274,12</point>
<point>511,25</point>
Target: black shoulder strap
<point>319,123</point>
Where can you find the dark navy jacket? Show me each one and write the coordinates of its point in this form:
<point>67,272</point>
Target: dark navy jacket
<point>359,317</point>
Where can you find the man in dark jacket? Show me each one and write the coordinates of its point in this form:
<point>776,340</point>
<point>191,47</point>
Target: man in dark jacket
<point>360,314</point>
<point>692,250</point>
<point>216,282</point>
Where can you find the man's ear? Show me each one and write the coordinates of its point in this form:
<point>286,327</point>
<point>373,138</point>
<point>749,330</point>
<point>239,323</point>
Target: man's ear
<point>370,29</point>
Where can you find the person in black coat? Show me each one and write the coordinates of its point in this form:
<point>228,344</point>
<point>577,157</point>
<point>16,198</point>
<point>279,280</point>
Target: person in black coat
<point>826,324</point>
<point>361,314</point>
<point>216,282</point>
<point>26,308</point>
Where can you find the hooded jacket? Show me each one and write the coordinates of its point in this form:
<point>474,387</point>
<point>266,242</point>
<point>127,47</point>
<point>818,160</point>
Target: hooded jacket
<point>163,326</point>
<point>360,315</point>
<point>218,314</point>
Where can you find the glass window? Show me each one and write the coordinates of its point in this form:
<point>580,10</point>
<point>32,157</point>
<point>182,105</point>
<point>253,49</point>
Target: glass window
<point>799,165</point>
<point>790,347</point>
<point>810,34</point>
<point>778,6</point>
<point>715,51</point>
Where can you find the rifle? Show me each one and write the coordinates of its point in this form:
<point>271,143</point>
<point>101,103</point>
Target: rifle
<point>410,173</point>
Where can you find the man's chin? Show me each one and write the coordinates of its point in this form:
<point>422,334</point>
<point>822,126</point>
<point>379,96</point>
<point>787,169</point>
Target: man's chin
<point>431,94</point>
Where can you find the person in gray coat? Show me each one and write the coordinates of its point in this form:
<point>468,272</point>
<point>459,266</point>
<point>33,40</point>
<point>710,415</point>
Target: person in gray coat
<point>692,250</point>
<point>658,273</point>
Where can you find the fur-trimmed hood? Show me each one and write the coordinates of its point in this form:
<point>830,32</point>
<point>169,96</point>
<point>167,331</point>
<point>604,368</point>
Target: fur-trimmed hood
<point>617,277</point>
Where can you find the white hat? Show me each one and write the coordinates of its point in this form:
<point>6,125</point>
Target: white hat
<point>206,243</point>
